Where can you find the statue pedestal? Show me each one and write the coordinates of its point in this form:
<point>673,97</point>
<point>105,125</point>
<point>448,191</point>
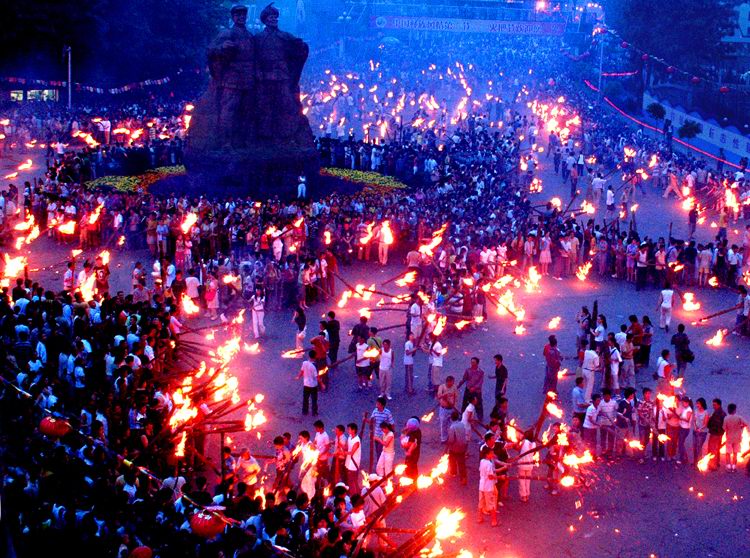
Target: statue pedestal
<point>259,172</point>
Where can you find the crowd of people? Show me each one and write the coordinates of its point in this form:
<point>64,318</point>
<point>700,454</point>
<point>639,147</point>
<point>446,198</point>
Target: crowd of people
<point>112,485</point>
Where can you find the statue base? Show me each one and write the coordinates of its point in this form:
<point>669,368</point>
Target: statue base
<point>258,173</point>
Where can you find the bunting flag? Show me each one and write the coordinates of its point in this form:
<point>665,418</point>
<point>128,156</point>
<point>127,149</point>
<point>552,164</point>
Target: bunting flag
<point>620,74</point>
<point>88,88</point>
<point>669,68</point>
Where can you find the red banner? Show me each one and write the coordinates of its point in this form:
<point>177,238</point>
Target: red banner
<point>451,25</point>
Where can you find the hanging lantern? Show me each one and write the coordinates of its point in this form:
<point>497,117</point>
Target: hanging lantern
<point>671,69</point>
<point>54,428</point>
<point>206,524</point>
<point>624,44</point>
<point>695,80</point>
<point>723,89</point>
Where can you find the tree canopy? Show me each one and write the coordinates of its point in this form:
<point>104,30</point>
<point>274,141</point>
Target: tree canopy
<point>686,33</point>
<point>113,41</point>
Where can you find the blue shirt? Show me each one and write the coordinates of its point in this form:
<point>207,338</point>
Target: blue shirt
<point>579,400</point>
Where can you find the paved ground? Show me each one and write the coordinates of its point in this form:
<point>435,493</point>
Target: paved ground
<point>631,510</point>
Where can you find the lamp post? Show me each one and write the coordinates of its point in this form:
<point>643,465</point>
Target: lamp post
<point>69,52</point>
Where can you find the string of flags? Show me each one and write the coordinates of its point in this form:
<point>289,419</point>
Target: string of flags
<point>88,88</point>
<point>669,68</point>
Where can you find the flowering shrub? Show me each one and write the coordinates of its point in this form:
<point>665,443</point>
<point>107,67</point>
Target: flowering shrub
<point>133,183</point>
<point>372,180</point>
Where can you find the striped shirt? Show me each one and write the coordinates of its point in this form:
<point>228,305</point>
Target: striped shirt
<point>379,417</point>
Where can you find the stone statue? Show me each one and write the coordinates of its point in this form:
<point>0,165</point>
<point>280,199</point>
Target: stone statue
<point>279,61</point>
<point>248,128</point>
<point>229,101</point>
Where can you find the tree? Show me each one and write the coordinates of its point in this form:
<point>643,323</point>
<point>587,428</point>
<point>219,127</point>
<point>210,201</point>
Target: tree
<point>656,111</point>
<point>685,33</point>
<point>689,129</point>
<point>114,42</point>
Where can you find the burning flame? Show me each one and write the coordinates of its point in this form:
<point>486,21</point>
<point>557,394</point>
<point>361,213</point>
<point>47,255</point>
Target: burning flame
<point>447,524</point>
<point>717,339</point>
<point>689,304</point>
<point>635,444</point>
<point>407,279</point>
<point>588,208</point>
<point>188,306</point>
<point>572,460</point>
<point>188,222</point>
<point>345,296</point>
<point>554,410</point>
<point>703,462</point>
<point>583,271</point>
<point>179,450</point>
<point>386,232</point>
<point>67,228</point>
<point>554,323</point>
<point>14,266</point>
<point>532,283</point>
<point>437,239</point>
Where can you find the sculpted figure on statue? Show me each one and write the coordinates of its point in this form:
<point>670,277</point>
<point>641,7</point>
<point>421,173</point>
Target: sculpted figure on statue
<point>280,58</point>
<point>248,128</point>
<point>225,114</point>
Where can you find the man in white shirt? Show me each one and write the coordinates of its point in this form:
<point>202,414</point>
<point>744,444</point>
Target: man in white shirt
<point>589,366</point>
<point>309,375</point>
<point>69,277</point>
<point>606,417</point>
<point>436,364</point>
<point>386,369</point>
<point>409,352</point>
<point>192,283</point>
<point>353,460</point>
<point>323,444</point>
<point>591,423</point>
<point>415,317</point>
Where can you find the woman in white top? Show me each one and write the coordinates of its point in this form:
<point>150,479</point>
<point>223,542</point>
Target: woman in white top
<point>666,302</point>
<point>385,461</point>
<point>600,332</point>
<point>685,412</point>
<point>526,465</point>
<point>700,429</point>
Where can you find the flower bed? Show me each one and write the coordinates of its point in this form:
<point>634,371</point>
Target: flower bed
<point>368,180</point>
<point>134,183</point>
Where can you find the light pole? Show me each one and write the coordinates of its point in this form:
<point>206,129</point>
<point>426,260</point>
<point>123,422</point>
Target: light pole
<point>69,52</point>
<point>601,64</point>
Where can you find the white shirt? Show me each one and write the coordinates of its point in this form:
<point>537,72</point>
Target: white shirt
<point>361,360</point>
<point>686,415</point>
<point>591,415</point>
<point>590,360</point>
<point>661,366</point>
<point>408,358</point>
<point>666,298</point>
<point>610,197</point>
<point>469,411</point>
<point>416,314</point>
<point>191,287</point>
<point>309,374</point>
<point>323,444</point>
<point>486,469</point>
<point>436,354</point>
<point>386,359</point>
<point>353,461</point>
